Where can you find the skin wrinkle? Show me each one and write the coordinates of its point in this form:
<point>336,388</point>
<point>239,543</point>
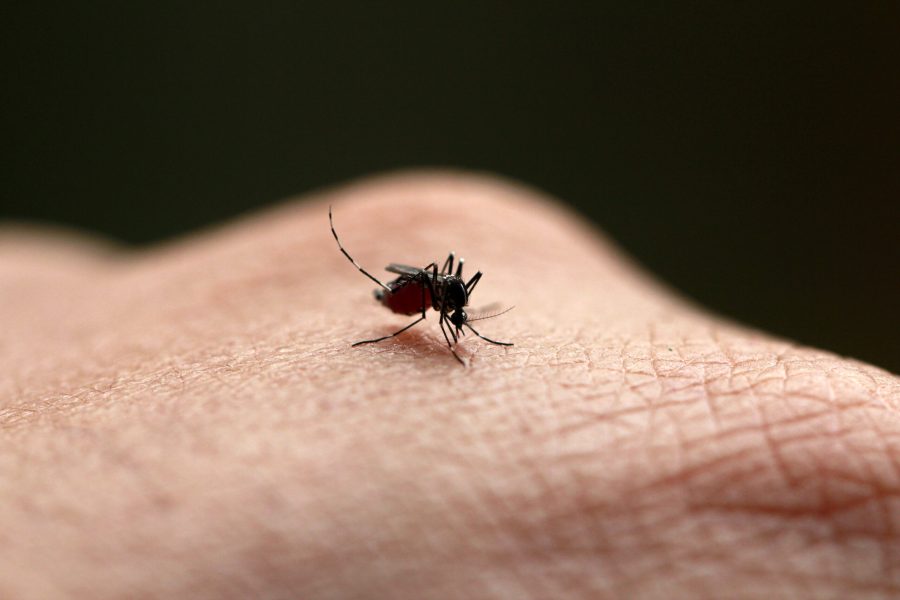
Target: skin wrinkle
<point>204,410</point>
<point>763,419</point>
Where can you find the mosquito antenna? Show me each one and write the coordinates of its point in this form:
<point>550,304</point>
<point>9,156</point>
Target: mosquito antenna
<point>350,258</point>
<point>490,315</point>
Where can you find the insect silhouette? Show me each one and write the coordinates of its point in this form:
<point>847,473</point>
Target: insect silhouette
<point>416,290</point>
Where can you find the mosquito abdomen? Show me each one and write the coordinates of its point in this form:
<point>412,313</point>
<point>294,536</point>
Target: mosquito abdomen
<point>406,299</point>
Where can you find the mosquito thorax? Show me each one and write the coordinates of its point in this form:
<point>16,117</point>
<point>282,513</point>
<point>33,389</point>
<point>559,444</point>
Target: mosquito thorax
<point>456,293</point>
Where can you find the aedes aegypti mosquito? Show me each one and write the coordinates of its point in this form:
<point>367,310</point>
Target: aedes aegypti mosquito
<point>416,290</point>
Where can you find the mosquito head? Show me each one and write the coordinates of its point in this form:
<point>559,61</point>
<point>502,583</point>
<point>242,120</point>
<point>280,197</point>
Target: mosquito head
<point>458,318</point>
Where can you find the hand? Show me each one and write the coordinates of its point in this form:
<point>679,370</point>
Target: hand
<point>191,421</point>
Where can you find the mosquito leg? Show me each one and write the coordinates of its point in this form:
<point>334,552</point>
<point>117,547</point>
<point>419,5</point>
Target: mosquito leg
<point>488,339</point>
<point>473,282</point>
<point>449,325</point>
<point>459,267</point>
<point>444,318</point>
<point>350,258</point>
<point>426,306</point>
<point>449,345</point>
<point>431,281</point>
<point>456,356</point>
<point>444,331</point>
<point>448,265</point>
<point>449,328</point>
<point>423,302</point>
<point>389,336</point>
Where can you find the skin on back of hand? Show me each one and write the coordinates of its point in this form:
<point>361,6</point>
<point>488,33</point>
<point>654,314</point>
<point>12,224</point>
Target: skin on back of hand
<point>191,420</point>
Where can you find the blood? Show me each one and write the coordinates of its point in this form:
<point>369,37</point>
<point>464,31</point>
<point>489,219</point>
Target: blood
<point>406,298</point>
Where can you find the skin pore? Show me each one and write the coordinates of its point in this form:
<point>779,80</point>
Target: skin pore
<point>190,420</point>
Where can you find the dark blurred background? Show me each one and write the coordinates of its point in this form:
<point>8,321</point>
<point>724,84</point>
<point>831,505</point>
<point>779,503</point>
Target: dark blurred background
<point>746,154</point>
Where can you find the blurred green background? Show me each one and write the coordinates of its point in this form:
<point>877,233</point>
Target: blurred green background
<point>747,153</point>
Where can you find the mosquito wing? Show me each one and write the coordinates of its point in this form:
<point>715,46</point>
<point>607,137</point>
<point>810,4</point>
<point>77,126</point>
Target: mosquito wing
<point>405,270</point>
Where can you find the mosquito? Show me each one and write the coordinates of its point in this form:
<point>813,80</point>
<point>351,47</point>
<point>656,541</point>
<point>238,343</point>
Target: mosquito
<point>416,290</point>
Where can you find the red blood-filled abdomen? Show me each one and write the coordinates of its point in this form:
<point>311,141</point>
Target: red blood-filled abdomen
<point>406,299</point>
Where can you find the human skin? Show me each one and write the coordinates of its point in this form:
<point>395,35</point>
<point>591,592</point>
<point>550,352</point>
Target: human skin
<point>190,420</point>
